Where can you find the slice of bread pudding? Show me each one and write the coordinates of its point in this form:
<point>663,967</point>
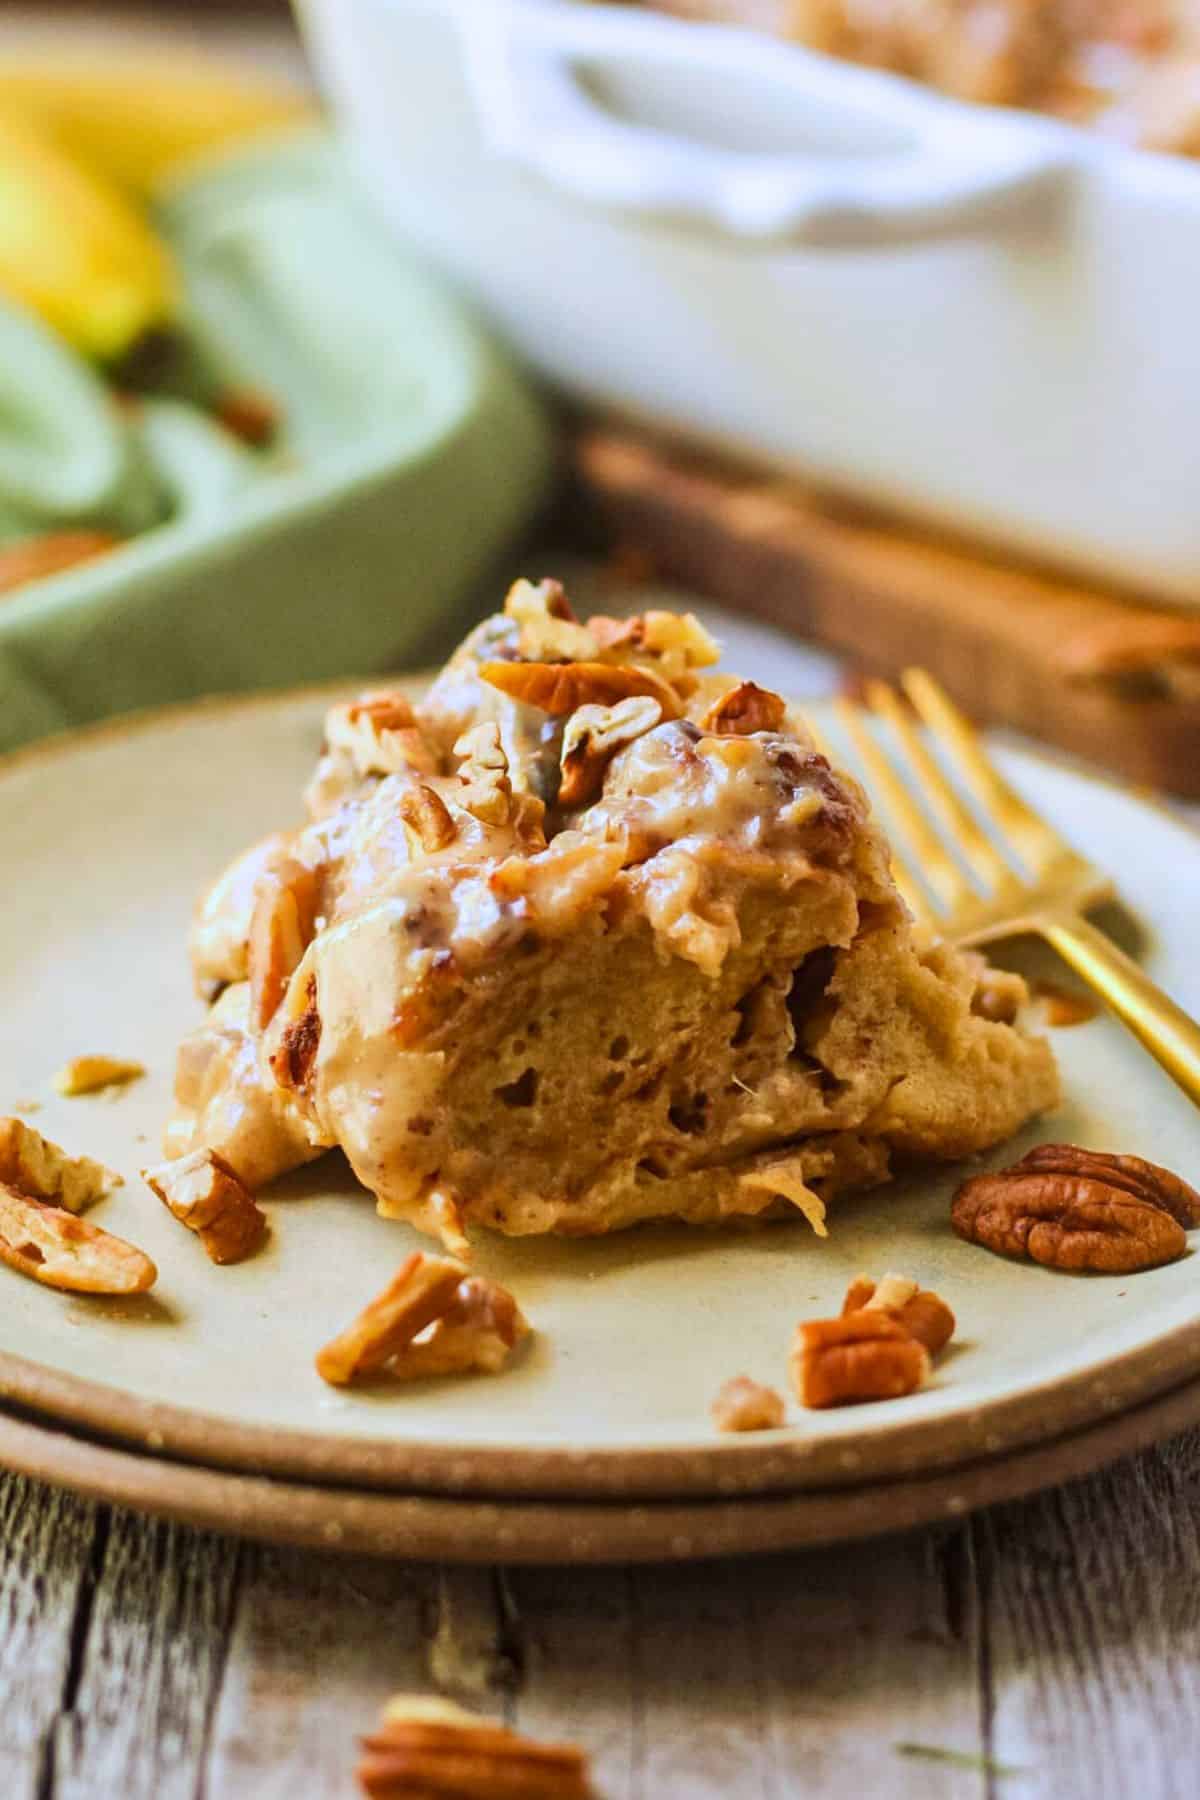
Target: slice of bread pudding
<point>588,936</point>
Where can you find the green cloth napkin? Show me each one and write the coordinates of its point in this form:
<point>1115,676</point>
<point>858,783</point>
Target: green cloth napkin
<point>411,453</point>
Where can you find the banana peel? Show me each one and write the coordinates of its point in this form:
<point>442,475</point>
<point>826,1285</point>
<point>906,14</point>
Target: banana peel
<point>75,251</point>
<point>140,121</point>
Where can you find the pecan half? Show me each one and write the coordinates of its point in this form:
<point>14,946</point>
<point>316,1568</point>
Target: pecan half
<point>427,818</point>
<point>559,688</point>
<point>923,1314</point>
<point>592,737</point>
<point>430,1749</point>
<point>745,1405</point>
<point>34,1166</point>
<point>744,709</point>
<point>1073,1217</point>
<point>204,1194</point>
<point>61,1251</point>
<point>88,1074</point>
<point>1145,1180</point>
<point>286,900</point>
<point>861,1356</point>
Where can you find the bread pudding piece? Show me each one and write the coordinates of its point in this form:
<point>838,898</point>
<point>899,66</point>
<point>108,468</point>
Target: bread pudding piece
<point>588,937</point>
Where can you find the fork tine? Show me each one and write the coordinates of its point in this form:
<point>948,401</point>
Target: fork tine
<point>982,856</point>
<point>910,888</point>
<point>1037,843</point>
<point>942,875</point>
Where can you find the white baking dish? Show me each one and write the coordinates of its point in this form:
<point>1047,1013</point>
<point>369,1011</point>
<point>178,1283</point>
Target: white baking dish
<point>985,318</point>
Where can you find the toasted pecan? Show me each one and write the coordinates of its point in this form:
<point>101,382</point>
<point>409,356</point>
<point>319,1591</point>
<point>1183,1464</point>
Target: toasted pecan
<point>432,1750</point>
<point>861,1356</point>
<point>286,902</point>
<point>53,1246</point>
<point>1076,1210</point>
<point>923,1314</point>
<point>592,737</point>
<point>417,1294</point>
<point>33,1165</point>
<point>427,817</point>
<point>1145,1180</point>
<point>560,688</point>
<point>746,708</point>
<point>203,1193</point>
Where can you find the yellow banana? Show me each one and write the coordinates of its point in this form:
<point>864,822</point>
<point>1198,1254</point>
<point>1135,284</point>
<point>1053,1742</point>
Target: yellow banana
<point>75,251</point>
<point>137,119</point>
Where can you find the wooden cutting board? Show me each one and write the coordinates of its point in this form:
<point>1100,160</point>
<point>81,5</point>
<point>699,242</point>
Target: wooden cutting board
<point>1102,674</point>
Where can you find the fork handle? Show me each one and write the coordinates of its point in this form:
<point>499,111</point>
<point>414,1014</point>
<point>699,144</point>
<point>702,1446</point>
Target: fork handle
<point>1168,1033</point>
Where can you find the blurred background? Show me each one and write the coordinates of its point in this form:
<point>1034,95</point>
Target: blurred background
<point>872,318</point>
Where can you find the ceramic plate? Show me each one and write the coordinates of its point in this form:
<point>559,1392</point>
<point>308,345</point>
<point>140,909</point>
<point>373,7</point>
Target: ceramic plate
<point>479,1529</point>
<point>109,835</point>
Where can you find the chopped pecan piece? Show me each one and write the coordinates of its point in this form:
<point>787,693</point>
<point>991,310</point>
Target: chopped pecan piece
<point>286,901</point>
<point>52,1246</point>
<point>483,771</point>
<point>592,737</point>
<point>745,1405</point>
<point>481,1326</point>
<point>745,709</point>
<point>380,734</point>
<point>34,1166</point>
<point>560,688</point>
<point>861,1356</point>
<point>205,1195</point>
<point>418,1293</point>
<point>430,1749</point>
<point>549,630</point>
<point>432,1319</point>
<point>1079,1210</point>
<point>428,818</point>
<point>923,1314</point>
<point>299,1039</point>
<point>88,1074</point>
<point>677,640</point>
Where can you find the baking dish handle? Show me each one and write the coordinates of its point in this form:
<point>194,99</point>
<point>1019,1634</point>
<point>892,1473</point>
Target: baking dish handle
<point>922,165</point>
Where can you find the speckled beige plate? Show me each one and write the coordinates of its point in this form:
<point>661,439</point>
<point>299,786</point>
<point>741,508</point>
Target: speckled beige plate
<point>107,838</point>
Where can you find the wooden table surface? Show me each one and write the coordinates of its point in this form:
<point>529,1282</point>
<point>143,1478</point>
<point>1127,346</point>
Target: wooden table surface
<point>1060,1639</point>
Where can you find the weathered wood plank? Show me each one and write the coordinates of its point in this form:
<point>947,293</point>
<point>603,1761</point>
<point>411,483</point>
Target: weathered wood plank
<point>863,1650</point>
<point>767,1678</point>
<point>46,1540</point>
<point>139,1716</point>
<point>317,1644</point>
<point>1094,1617</point>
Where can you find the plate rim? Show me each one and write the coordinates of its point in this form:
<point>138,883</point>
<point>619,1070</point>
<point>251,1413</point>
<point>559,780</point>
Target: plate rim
<point>768,1464</point>
<point>418,1527</point>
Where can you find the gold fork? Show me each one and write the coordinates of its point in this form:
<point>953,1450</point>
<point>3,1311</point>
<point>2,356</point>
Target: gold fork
<point>1004,873</point>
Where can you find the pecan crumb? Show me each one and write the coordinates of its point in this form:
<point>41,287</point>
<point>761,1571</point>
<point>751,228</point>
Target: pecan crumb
<point>427,1747</point>
<point>1079,1210</point>
<point>745,1405</point>
<point>88,1074</point>
<point>204,1194</point>
<point>431,1319</point>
